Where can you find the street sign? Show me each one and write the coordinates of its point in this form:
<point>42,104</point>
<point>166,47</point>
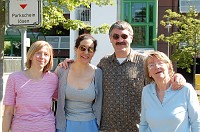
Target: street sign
<point>25,13</point>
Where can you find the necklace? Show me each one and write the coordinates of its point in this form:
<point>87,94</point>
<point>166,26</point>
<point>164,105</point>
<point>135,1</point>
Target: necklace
<point>160,91</point>
<point>160,94</point>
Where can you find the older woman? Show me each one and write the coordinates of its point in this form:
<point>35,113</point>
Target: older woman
<point>163,109</point>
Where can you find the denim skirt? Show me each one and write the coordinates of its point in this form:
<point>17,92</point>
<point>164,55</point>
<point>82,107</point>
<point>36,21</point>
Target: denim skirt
<point>80,126</point>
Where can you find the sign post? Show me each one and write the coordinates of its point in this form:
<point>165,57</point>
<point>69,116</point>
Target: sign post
<point>23,47</point>
<point>24,14</point>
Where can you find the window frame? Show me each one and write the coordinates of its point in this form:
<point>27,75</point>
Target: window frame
<point>145,24</point>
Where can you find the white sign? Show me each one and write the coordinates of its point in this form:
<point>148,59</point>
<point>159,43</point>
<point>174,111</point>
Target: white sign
<point>27,42</point>
<point>24,13</point>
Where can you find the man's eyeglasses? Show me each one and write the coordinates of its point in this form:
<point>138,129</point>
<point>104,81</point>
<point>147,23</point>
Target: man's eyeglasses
<point>83,48</point>
<point>117,36</point>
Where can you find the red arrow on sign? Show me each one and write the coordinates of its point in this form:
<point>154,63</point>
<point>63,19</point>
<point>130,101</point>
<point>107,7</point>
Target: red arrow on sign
<point>23,5</point>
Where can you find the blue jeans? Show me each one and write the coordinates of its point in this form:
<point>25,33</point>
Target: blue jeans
<point>80,126</point>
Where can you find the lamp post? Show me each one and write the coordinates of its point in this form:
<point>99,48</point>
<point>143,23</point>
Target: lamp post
<point>168,26</point>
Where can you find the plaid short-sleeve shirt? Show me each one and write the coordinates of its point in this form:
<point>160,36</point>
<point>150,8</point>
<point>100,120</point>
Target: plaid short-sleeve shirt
<point>122,84</point>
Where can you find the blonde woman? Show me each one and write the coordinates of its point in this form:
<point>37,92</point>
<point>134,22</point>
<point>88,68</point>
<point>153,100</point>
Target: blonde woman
<point>29,93</point>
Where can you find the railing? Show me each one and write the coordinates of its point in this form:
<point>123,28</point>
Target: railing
<point>84,14</point>
<point>13,64</point>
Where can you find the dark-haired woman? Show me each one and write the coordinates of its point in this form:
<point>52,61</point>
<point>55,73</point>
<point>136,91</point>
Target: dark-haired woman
<point>80,90</point>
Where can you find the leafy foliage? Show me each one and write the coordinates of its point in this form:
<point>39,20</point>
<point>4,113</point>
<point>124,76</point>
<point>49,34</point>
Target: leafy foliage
<point>7,47</point>
<point>186,39</point>
<point>53,12</point>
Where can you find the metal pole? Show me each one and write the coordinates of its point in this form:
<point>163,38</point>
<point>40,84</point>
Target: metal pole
<point>23,47</point>
<point>168,41</point>
<point>168,26</point>
<point>168,49</point>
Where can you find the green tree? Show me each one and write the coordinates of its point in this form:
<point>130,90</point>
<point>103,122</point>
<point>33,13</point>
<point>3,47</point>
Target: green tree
<point>7,48</point>
<point>186,40</point>
<point>53,14</point>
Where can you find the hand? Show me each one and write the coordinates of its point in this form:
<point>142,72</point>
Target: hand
<point>178,81</point>
<point>64,64</point>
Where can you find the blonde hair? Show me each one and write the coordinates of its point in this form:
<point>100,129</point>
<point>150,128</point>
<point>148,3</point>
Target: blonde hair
<point>35,47</point>
<point>160,56</point>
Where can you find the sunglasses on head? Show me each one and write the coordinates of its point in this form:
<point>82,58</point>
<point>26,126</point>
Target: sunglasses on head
<point>83,48</point>
<point>117,36</point>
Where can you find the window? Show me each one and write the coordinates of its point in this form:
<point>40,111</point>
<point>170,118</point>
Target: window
<point>58,42</point>
<point>186,4</point>
<point>138,12</point>
<point>142,15</point>
<point>84,13</point>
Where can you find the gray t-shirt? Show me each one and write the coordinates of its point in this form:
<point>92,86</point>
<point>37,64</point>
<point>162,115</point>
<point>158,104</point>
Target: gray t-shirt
<point>96,106</point>
<point>78,106</point>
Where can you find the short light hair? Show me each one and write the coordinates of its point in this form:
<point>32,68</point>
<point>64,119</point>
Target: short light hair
<point>35,47</point>
<point>160,56</point>
<point>121,25</point>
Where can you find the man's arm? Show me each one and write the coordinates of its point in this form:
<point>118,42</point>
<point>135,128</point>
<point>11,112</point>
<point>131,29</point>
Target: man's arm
<point>178,81</point>
<point>64,63</point>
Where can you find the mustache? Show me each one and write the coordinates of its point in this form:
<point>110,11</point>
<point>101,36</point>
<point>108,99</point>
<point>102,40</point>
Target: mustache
<point>120,43</point>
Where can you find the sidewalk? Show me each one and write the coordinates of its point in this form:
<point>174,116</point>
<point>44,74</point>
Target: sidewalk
<point>198,92</point>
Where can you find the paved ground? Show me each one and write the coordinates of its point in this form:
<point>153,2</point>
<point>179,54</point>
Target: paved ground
<point>198,92</point>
